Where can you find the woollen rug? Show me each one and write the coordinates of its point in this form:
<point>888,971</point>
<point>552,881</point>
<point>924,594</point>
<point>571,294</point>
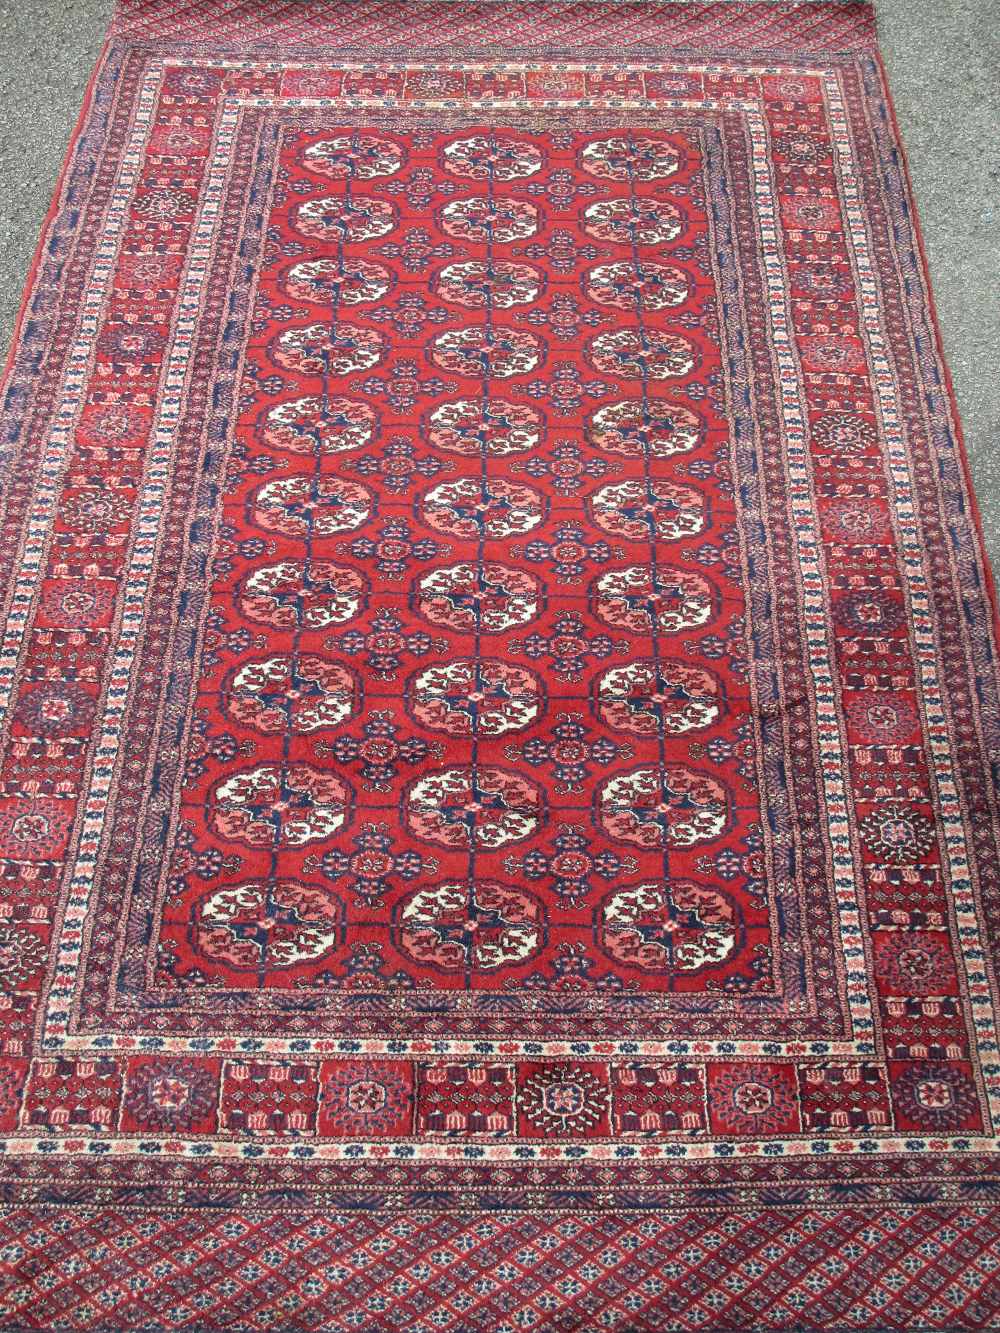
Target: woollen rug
<point>498,808</point>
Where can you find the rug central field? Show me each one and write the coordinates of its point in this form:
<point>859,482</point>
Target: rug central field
<point>501,684</point>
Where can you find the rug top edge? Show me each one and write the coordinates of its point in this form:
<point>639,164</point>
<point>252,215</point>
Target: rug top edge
<point>380,28</point>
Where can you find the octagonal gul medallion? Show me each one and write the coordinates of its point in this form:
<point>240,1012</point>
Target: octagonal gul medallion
<point>633,220</point>
<point>658,696</point>
<point>478,597</point>
<point>470,926</point>
<point>314,425</point>
<point>475,697</point>
<point>498,283</point>
<point>641,597</point>
<point>641,354</point>
<point>667,806</point>
<point>310,506</point>
<point>331,283</point>
<point>637,428</point>
<point>480,508</point>
<point>328,349</point>
<point>641,509</point>
<point>295,693</point>
<point>279,805</point>
<point>485,427</point>
<point>262,925</point>
<point>300,594</point>
<point>476,806</point>
<point>485,352</point>
<point>668,926</point>
<point>492,157</point>
<point>630,157</point>
<point>630,286</point>
<point>354,157</point>
<point>486,220</point>
<point>344,218</point>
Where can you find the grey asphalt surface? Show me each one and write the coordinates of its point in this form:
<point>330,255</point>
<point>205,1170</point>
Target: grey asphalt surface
<point>944,71</point>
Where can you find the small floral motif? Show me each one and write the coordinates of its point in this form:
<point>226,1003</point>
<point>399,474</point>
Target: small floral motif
<point>561,188</point>
<point>112,423</point>
<point>570,865</point>
<point>404,386</point>
<point>566,467</point>
<point>410,315</point>
<point>571,752</point>
<point>800,147</point>
<point>834,353</point>
<point>569,646</point>
<point>373,867</point>
<point>566,389</point>
<point>416,249</point>
<point>882,718</point>
<point>811,212</point>
<point>386,644</point>
<point>570,555</point>
<point>131,342</point>
<point>420,187</point>
<point>397,465</point>
<point>561,251</point>
<point>380,751</point>
<point>395,549</point>
<point>564,317</point>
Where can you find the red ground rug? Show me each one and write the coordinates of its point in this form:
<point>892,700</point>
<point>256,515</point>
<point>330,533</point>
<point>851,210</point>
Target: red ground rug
<point>497,810</point>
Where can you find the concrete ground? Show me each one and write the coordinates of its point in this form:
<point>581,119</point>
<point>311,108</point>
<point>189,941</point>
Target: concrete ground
<point>944,69</point>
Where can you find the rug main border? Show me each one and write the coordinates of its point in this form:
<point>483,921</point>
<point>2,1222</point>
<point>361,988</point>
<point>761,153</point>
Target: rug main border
<point>27,311</point>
